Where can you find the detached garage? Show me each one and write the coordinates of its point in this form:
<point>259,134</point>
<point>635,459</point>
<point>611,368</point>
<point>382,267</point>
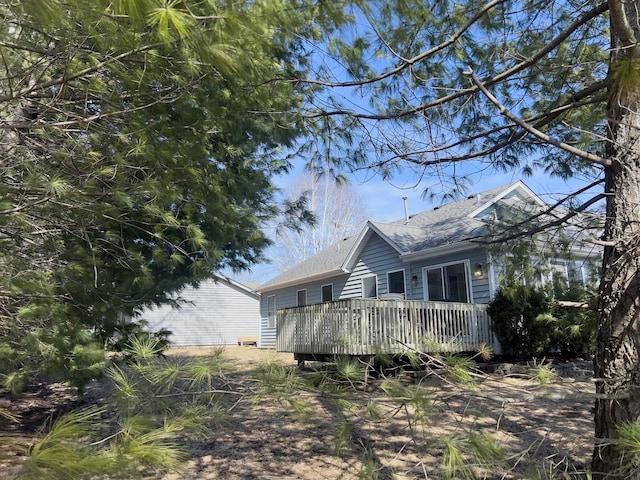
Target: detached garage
<point>219,312</point>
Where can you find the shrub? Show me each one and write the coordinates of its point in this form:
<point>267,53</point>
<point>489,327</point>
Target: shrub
<point>575,332</point>
<point>522,320</point>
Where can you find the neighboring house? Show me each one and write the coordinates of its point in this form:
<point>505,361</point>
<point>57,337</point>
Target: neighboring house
<point>409,269</point>
<point>218,312</point>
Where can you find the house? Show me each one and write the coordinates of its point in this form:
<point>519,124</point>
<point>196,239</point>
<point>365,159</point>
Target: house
<point>220,311</point>
<point>420,282</point>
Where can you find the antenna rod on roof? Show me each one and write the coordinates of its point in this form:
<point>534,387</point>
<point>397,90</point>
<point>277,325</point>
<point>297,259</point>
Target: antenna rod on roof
<point>406,210</point>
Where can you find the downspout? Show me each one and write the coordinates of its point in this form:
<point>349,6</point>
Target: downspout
<point>406,221</point>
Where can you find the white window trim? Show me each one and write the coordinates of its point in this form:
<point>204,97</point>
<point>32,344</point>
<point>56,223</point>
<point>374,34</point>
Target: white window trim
<point>362,285</point>
<point>404,280</point>
<point>467,273</point>
<point>271,323</point>
<point>332,292</point>
<point>298,298</point>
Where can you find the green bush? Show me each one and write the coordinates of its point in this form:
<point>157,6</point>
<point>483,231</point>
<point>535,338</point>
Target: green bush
<point>522,321</point>
<point>575,335</point>
<point>528,322</point>
<point>575,332</point>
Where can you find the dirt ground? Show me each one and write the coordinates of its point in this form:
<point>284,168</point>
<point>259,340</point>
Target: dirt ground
<point>546,431</point>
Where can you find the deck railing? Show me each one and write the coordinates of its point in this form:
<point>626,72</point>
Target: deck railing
<point>370,326</point>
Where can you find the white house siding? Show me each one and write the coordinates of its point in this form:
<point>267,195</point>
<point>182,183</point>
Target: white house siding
<point>215,313</point>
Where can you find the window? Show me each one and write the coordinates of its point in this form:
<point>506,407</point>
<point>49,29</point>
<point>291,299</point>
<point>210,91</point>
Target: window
<point>271,311</point>
<point>577,273</point>
<point>559,275</point>
<point>395,282</point>
<point>302,297</point>
<point>447,282</point>
<point>327,293</point>
<point>566,275</point>
<point>370,287</point>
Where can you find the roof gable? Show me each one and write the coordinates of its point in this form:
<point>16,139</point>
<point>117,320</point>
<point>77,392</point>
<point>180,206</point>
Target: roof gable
<point>516,192</point>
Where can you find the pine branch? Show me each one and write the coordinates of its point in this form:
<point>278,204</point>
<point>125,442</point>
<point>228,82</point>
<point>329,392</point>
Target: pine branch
<point>534,131</point>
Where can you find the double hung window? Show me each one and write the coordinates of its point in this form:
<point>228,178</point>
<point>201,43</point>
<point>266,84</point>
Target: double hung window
<point>395,282</point>
<point>370,286</point>
<point>301,297</point>
<point>327,293</point>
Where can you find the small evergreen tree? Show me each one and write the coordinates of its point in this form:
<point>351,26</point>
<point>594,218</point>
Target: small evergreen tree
<point>575,332</point>
<point>522,320</point>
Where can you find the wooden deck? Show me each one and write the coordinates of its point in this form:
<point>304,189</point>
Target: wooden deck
<point>370,326</point>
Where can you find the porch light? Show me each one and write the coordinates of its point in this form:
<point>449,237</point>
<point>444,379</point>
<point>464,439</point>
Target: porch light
<point>414,280</point>
<point>477,270</point>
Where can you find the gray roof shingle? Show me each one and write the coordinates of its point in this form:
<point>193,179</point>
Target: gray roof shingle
<point>447,224</point>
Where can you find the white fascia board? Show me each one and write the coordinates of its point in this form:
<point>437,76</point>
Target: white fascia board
<point>439,251</point>
<point>303,280</point>
<point>356,246</point>
<point>221,278</point>
<point>583,249</point>
<point>516,186</point>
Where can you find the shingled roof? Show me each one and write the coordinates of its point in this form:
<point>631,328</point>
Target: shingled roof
<point>449,224</point>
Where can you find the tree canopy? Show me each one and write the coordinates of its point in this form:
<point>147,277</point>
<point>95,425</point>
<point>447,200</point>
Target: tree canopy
<point>511,85</point>
<point>139,140</point>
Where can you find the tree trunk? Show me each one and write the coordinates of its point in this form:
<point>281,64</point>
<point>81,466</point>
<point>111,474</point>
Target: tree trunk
<point>617,358</point>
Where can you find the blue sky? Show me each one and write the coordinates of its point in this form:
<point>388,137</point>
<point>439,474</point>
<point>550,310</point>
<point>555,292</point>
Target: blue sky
<point>386,204</point>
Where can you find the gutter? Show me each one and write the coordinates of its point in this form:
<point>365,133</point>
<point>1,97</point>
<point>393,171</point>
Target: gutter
<point>302,280</point>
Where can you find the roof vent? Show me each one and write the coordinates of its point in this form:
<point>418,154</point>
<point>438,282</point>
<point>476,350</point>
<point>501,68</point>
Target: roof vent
<point>478,198</point>
<point>406,210</point>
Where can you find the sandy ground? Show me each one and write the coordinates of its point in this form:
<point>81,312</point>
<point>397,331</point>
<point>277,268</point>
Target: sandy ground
<point>245,358</point>
<point>545,431</point>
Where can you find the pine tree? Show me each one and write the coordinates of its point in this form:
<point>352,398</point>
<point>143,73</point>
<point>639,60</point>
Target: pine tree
<point>506,86</point>
<point>138,144</point>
